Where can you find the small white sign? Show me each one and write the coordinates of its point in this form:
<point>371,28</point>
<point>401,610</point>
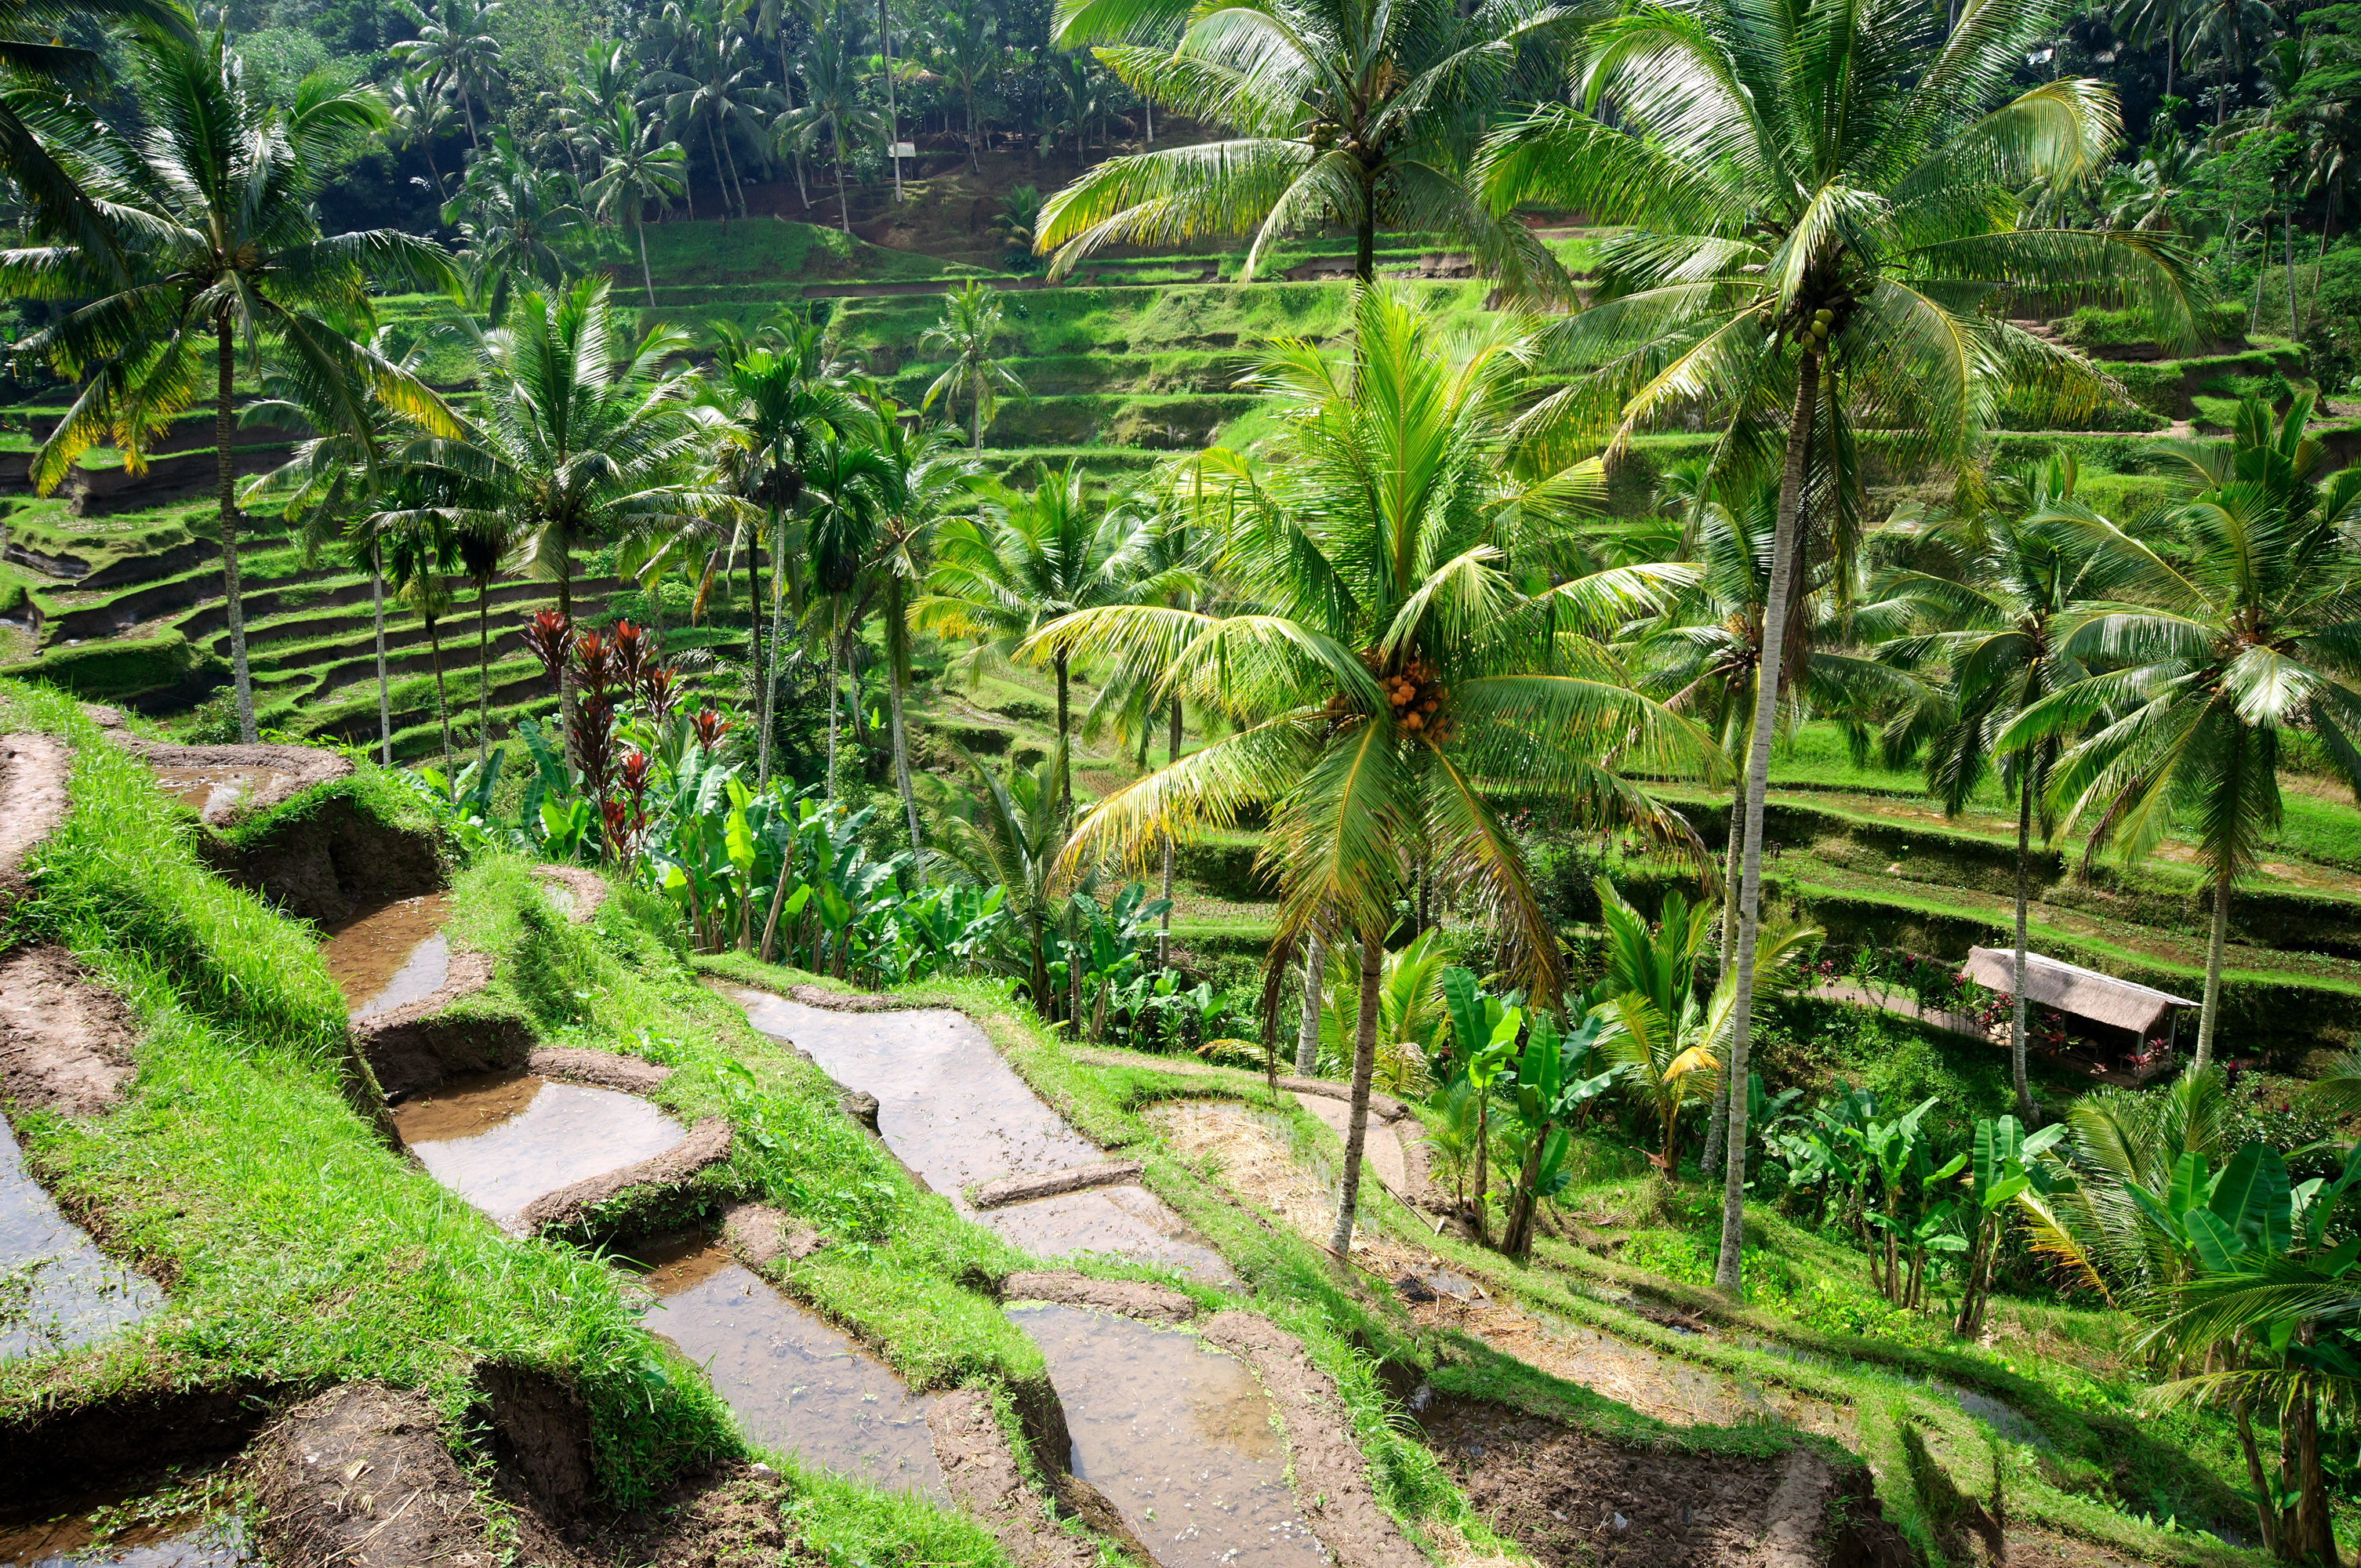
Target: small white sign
<point>905,150</point>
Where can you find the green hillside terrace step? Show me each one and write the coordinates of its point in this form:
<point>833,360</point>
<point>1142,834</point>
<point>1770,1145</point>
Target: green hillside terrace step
<point>194,590</point>
<point>1179,422</point>
<point>415,655</point>
<point>357,721</point>
<point>309,628</point>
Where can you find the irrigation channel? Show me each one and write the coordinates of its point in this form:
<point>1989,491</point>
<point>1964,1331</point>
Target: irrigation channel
<point>165,1530</point>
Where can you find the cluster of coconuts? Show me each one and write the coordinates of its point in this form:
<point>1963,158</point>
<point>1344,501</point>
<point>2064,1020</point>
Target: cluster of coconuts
<point>1414,693</point>
<point>1815,331</point>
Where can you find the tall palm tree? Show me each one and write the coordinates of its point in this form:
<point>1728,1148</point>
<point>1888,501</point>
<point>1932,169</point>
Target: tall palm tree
<point>2254,630</point>
<point>1356,113</point>
<point>969,54</point>
<point>2024,567</point>
<point>32,50</point>
<point>847,477</point>
<point>482,543</point>
<point>1000,579</point>
<point>581,438</point>
<point>832,107</point>
<point>2229,28</point>
<point>921,474</point>
<point>218,245</point>
<point>2150,22</point>
<point>1819,193</point>
<point>772,400</point>
<point>419,111</point>
<point>713,81</point>
<point>1705,658</point>
<point>970,320</point>
<point>642,165</point>
<point>511,216</point>
<point>455,47</point>
<point>1396,659</point>
<point>419,561</point>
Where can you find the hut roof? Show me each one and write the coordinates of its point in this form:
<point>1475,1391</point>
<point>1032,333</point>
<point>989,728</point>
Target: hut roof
<point>2069,988</point>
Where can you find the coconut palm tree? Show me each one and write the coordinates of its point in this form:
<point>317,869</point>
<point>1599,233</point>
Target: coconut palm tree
<point>31,50</point>
<point>419,561</point>
<point>419,112</point>
<point>847,475</point>
<point>218,246</point>
<point>456,48</point>
<point>970,320</point>
<point>1817,213</point>
<point>642,165</point>
<point>2254,630</point>
<point>715,82</point>
<point>511,215</point>
<point>920,473</point>
<point>2023,567</point>
<point>581,439</point>
<point>1354,112</point>
<point>832,107</point>
<point>1001,577</point>
<point>1396,659</point>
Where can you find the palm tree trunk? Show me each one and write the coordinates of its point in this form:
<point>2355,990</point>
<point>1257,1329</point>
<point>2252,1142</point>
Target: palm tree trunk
<point>442,706</point>
<point>1758,771</point>
<point>1065,755</point>
<point>2025,1111</point>
<point>2295,327</point>
<point>902,756</point>
<point>2267,1516</point>
<point>835,701</point>
<point>225,463</point>
<point>1717,1126</point>
<point>640,227</point>
<point>1307,1034</point>
<point>1171,755</point>
<point>484,673</point>
<point>1364,240</point>
<point>566,667</point>
<point>771,678</point>
<point>1364,1063</point>
<point>754,646</point>
<point>2213,1007</point>
<point>975,413</point>
<point>2315,1540</point>
<point>384,695</point>
<point>843,212</point>
<point>468,108</point>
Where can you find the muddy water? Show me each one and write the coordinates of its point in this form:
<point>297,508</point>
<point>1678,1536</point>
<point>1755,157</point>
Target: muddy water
<point>213,792</point>
<point>393,956</point>
<point>140,1532</point>
<point>1177,1436</point>
<point>503,1139</point>
<point>794,1383</point>
<point>57,1289</point>
<point>954,1111</point>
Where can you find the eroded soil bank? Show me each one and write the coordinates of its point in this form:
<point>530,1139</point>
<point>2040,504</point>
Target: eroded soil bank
<point>1570,1497</point>
<point>957,1115</point>
<point>1177,1435</point>
<point>503,1139</point>
<point>796,1384</point>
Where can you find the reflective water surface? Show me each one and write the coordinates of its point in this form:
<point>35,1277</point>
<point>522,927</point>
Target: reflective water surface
<point>392,955</point>
<point>794,1383</point>
<point>57,1289</point>
<point>501,1140</point>
<point>1177,1435</point>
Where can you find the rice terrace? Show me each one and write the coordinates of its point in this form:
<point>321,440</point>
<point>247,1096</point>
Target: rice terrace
<point>971,784</point>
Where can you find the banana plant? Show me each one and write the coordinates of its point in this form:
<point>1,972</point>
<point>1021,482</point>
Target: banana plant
<point>1551,1084</point>
<point>1483,1042</point>
<point>2003,1164</point>
<point>1892,1146</point>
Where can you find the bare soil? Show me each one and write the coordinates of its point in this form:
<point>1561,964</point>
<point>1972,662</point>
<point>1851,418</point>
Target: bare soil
<point>1571,1497</point>
<point>61,1451</point>
<point>585,889</point>
<point>980,1470</point>
<point>251,778</point>
<point>728,1520</point>
<point>760,1235</point>
<point>359,1475</point>
<point>65,1040</point>
<point>32,802</point>
<point>1132,1298</point>
<point>599,1069</point>
<point>323,863</point>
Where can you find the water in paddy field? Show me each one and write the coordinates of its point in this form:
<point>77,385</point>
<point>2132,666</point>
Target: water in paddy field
<point>211,792</point>
<point>1178,1436</point>
<point>794,1383</point>
<point>501,1140</point>
<point>391,956</point>
<point>57,1289</point>
<point>140,1532</point>
<point>956,1114</point>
